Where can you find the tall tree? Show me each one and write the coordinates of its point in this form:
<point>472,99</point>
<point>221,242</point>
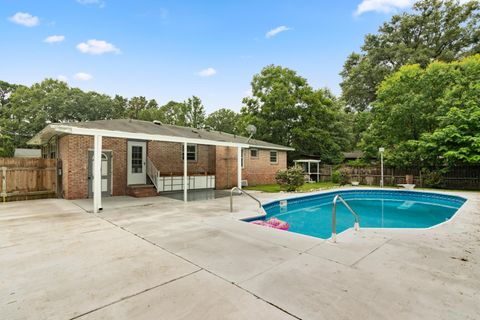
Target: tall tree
<point>174,113</point>
<point>137,104</point>
<point>287,111</point>
<point>195,112</point>
<point>224,120</point>
<point>442,30</point>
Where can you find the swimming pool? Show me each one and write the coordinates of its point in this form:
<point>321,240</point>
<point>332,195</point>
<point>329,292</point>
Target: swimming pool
<point>312,215</point>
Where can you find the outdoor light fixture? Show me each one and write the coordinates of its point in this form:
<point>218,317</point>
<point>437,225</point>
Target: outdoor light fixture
<point>381,150</point>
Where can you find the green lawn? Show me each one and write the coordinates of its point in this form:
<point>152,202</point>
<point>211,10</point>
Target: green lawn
<point>305,188</point>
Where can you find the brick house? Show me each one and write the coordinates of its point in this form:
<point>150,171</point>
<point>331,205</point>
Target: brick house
<point>142,158</point>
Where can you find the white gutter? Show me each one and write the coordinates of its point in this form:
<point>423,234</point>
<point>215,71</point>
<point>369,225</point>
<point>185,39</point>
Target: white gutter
<point>253,146</point>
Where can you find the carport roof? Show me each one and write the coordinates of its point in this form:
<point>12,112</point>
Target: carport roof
<point>137,129</point>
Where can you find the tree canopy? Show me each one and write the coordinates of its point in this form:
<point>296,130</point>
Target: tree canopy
<point>443,30</point>
<point>224,120</point>
<point>286,110</point>
<point>428,115</point>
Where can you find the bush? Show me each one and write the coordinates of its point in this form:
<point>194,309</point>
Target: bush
<point>432,179</point>
<point>291,178</point>
<point>341,176</point>
<point>336,175</point>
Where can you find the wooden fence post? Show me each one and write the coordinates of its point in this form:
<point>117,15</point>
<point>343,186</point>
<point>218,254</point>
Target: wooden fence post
<point>4,183</point>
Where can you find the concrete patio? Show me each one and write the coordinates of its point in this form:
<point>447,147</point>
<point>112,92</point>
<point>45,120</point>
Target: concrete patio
<point>159,258</point>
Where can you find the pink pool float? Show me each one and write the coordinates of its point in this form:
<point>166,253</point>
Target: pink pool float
<point>272,223</point>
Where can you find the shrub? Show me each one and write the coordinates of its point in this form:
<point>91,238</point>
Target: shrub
<point>336,175</point>
<point>432,179</point>
<point>341,176</point>
<point>291,178</point>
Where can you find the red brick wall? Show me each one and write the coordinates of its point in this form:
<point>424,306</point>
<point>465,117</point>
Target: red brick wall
<point>259,170</point>
<point>226,167</point>
<point>256,170</point>
<point>73,151</point>
<point>167,157</point>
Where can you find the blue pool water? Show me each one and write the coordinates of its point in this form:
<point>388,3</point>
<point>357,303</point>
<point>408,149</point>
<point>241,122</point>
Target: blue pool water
<point>312,215</point>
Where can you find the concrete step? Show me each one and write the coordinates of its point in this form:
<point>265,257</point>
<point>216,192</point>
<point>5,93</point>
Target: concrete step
<point>142,190</point>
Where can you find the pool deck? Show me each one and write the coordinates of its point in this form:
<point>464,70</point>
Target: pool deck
<point>158,258</point>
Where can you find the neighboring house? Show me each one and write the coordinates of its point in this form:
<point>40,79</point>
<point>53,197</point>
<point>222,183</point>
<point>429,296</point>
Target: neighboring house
<point>142,158</point>
<point>352,155</point>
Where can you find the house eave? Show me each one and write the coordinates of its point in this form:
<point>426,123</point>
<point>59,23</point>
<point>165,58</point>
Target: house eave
<point>52,129</point>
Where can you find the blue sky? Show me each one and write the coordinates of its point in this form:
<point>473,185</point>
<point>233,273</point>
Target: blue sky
<point>170,50</point>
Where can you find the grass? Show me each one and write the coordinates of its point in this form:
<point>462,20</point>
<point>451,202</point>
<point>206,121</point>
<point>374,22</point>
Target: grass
<point>305,188</point>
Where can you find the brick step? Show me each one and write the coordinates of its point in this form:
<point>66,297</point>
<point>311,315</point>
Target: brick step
<point>141,191</point>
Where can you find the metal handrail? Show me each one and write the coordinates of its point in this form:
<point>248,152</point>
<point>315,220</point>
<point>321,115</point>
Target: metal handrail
<point>334,216</point>
<point>242,192</point>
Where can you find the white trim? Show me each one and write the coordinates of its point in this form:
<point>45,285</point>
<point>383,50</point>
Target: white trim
<point>111,167</point>
<point>279,148</point>
<point>307,160</point>
<point>141,136</point>
<point>239,167</point>
<point>97,174</point>
<point>141,177</point>
<point>185,175</point>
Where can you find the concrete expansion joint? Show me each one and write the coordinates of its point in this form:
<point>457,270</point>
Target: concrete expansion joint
<point>193,263</point>
<point>135,294</point>
<point>358,261</point>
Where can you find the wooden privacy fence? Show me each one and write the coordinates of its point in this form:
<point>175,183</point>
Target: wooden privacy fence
<point>460,177</point>
<point>27,178</point>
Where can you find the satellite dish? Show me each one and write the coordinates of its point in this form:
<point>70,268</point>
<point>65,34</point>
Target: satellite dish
<point>252,130</point>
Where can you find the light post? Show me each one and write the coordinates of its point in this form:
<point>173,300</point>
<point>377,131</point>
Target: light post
<point>382,150</point>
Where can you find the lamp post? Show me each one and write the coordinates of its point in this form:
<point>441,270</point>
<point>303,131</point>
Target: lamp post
<point>381,150</point>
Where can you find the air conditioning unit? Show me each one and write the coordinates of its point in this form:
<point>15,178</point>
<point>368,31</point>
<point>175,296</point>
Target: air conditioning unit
<point>244,183</point>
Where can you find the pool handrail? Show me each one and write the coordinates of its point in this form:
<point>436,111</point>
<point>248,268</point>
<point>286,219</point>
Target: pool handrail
<point>242,192</point>
<point>334,216</point>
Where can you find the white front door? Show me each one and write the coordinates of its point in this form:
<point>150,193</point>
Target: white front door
<point>136,162</point>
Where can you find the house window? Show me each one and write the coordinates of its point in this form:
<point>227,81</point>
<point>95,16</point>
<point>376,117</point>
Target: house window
<point>273,157</point>
<point>191,152</point>
<point>254,153</point>
<point>137,159</point>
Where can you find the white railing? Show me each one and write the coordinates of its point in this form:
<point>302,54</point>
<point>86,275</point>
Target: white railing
<point>153,173</point>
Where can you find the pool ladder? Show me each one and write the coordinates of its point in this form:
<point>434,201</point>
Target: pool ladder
<point>334,216</point>
<point>242,192</point>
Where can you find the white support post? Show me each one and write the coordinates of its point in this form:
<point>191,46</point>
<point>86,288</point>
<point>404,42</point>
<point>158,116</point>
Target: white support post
<point>97,173</point>
<point>239,168</point>
<point>185,175</point>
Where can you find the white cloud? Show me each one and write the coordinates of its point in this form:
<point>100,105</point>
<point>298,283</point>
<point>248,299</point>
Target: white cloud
<point>97,47</point>
<point>54,38</point>
<point>82,76</point>
<point>272,33</point>
<point>384,6</point>
<point>24,19</point>
<point>207,72</point>
<point>63,78</point>
<point>100,3</point>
